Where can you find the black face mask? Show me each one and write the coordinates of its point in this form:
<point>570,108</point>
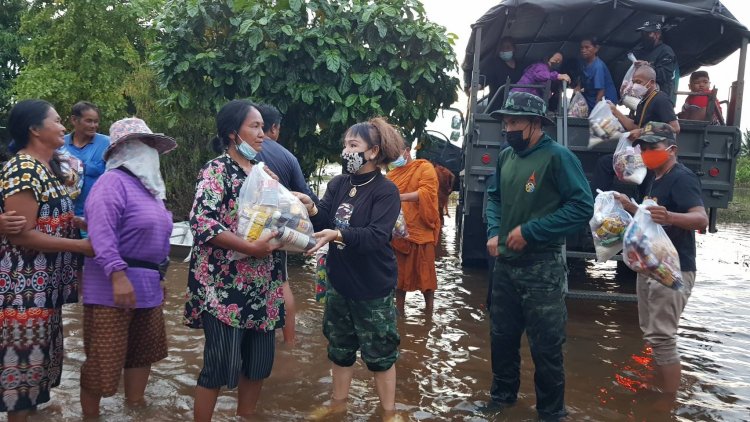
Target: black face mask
<point>516,141</point>
<point>554,66</point>
<point>648,42</point>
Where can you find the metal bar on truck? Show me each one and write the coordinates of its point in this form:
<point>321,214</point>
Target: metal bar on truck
<point>740,84</point>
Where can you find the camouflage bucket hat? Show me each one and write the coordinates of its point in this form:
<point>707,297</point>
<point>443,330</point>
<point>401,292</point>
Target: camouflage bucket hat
<point>523,104</point>
<point>655,132</point>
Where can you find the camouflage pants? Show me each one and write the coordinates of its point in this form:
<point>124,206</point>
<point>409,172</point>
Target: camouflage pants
<point>366,325</point>
<point>528,295</point>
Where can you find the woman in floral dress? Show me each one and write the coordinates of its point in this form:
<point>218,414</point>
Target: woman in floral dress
<point>39,265</point>
<point>237,302</point>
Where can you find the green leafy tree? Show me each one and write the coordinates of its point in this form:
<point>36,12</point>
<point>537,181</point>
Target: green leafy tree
<point>324,63</point>
<point>84,50</point>
<point>10,54</point>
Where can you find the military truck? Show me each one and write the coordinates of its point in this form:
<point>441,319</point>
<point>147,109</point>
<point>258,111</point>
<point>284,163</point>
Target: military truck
<point>701,32</point>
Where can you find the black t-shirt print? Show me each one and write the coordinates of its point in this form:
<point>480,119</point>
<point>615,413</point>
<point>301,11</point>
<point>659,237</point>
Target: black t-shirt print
<point>678,191</point>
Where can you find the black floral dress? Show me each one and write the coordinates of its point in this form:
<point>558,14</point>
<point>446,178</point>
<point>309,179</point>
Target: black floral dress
<point>240,293</point>
<point>33,287</point>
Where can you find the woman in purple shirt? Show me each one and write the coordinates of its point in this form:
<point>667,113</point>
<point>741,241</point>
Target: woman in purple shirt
<point>129,227</point>
<point>540,73</point>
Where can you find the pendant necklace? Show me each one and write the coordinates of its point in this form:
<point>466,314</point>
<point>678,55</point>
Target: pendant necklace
<point>353,190</point>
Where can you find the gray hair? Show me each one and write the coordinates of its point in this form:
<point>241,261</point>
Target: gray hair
<point>647,71</point>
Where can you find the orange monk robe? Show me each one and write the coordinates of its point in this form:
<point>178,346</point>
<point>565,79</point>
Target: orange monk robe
<point>416,253</point>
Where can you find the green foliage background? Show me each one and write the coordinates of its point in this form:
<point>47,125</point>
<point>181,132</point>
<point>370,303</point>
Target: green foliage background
<point>325,64</point>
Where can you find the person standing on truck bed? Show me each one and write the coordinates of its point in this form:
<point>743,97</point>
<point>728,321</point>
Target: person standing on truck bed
<point>498,68</point>
<point>654,106</point>
<point>681,211</point>
<point>661,57</point>
<point>596,81</point>
<point>540,194</point>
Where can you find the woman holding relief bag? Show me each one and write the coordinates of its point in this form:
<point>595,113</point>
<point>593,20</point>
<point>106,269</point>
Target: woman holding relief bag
<point>356,216</point>
<point>237,302</point>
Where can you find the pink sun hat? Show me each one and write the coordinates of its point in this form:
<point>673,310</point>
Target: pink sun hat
<point>133,128</point>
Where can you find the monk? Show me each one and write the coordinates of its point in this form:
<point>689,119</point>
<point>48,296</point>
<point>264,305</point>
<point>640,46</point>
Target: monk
<point>417,183</point>
<point>445,187</point>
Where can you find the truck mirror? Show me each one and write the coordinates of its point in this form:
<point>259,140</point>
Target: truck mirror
<point>455,135</point>
<point>455,123</point>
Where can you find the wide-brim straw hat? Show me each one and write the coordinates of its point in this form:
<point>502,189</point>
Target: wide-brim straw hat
<point>134,128</point>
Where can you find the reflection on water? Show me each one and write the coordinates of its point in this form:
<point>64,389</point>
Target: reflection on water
<point>444,369</point>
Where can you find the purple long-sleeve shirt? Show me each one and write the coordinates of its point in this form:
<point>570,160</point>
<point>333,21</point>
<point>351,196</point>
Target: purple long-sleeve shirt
<point>124,221</point>
<point>536,74</point>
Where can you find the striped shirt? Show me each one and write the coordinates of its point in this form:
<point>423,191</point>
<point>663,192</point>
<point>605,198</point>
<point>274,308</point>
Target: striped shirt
<point>124,221</point>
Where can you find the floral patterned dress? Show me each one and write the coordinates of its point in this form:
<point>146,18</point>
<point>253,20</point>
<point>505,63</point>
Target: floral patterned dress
<point>240,293</point>
<point>33,287</point>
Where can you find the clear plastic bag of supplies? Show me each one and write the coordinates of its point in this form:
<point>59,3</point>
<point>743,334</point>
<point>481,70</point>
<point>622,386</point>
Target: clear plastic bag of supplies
<point>630,99</point>
<point>648,250</point>
<point>603,125</point>
<point>264,205</point>
<point>73,169</point>
<point>628,163</point>
<point>578,106</point>
<point>399,229</point>
<point>608,225</point>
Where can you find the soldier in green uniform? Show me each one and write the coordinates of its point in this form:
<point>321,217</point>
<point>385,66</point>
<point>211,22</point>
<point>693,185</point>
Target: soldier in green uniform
<point>539,195</point>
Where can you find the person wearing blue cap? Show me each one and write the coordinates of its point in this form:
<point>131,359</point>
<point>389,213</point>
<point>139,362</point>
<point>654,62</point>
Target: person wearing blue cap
<point>538,196</point>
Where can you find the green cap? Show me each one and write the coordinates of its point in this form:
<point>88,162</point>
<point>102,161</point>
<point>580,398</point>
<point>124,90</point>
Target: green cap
<point>655,132</point>
<point>523,104</point>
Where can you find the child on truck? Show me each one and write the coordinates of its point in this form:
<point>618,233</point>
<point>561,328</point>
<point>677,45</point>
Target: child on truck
<point>695,107</point>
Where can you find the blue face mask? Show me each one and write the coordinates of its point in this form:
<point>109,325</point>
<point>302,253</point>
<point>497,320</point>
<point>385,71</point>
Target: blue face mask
<point>506,56</point>
<point>245,149</point>
<point>400,161</point>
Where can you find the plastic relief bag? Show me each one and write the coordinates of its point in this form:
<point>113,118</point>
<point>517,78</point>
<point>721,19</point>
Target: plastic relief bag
<point>608,225</point>
<point>578,106</point>
<point>264,205</point>
<point>648,250</point>
<point>73,170</point>
<point>629,98</point>
<point>628,163</point>
<point>399,229</point>
<point>603,125</point>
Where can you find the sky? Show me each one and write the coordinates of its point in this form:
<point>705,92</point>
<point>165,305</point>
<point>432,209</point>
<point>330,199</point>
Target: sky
<point>457,18</point>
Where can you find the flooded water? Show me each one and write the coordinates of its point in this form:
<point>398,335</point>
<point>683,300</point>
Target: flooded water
<point>444,369</point>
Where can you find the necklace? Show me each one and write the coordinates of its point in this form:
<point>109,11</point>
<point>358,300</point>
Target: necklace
<point>353,190</point>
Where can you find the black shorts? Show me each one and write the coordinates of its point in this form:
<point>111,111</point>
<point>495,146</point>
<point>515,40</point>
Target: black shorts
<point>230,351</point>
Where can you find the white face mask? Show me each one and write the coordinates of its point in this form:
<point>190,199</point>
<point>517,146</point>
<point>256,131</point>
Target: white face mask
<point>143,161</point>
<point>638,90</point>
<point>506,55</point>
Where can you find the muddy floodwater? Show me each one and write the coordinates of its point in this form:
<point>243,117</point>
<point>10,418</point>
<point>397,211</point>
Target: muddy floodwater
<point>444,369</point>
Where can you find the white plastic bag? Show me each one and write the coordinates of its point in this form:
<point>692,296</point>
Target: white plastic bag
<point>608,225</point>
<point>627,162</point>
<point>629,98</point>
<point>648,250</point>
<point>578,106</point>
<point>73,170</point>
<point>264,205</point>
<point>603,125</point>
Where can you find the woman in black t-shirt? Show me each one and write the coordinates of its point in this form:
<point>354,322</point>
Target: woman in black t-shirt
<point>356,216</point>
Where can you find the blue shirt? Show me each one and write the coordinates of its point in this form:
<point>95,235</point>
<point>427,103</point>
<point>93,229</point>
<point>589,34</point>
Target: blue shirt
<point>596,76</point>
<point>285,165</point>
<point>92,156</point>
